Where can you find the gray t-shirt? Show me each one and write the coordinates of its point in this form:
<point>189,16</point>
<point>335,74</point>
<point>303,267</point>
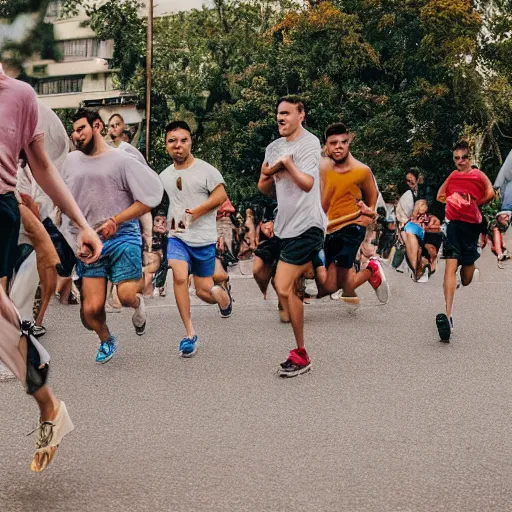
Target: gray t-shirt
<point>197,183</point>
<point>106,184</point>
<point>298,210</point>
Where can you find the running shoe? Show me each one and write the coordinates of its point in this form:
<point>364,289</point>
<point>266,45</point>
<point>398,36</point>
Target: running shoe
<point>444,327</point>
<point>378,280</point>
<point>38,330</point>
<point>107,350</point>
<point>188,346</point>
<point>139,317</point>
<point>226,313</point>
<point>298,362</point>
<point>162,292</point>
<point>337,295</point>
<point>311,288</point>
<point>49,436</point>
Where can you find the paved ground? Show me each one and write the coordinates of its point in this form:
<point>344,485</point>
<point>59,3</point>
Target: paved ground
<point>388,420</point>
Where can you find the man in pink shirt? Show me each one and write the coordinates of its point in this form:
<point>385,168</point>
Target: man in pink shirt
<point>464,191</point>
<point>19,350</point>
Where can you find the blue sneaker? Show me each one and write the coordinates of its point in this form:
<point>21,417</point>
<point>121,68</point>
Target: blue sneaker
<point>107,350</point>
<point>226,313</point>
<point>188,346</point>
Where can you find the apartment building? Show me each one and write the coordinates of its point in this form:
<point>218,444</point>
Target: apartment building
<point>84,76</point>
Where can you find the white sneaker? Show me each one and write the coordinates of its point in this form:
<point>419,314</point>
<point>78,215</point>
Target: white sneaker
<point>311,288</point>
<point>49,436</point>
<point>139,317</point>
<point>337,295</point>
<point>476,275</point>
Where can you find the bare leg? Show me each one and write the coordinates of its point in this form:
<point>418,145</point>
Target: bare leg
<point>48,287</point>
<point>331,282</point>
<point>349,280</point>
<point>220,276</point>
<point>180,283</point>
<point>450,284</point>
<point>206,292</point>
<point>412,248</point>
<point>286,279</point>
<point>262,274</point>
<point>64,285</point>
<point>127,292</point>
<point>94,294</point>
<point>466,274</point>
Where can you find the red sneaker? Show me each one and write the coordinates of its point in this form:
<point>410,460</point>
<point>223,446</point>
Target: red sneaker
<point>298,362</point>
<point>378,280</point>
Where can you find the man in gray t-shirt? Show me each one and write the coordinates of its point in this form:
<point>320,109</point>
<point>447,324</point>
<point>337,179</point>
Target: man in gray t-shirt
<point>113,189</point>
<point>292,169</point>
<point>196,190</point>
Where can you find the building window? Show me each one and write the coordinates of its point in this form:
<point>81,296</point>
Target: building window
<point>40,69</point>
<point>64,85</point>
<point>79,48</point>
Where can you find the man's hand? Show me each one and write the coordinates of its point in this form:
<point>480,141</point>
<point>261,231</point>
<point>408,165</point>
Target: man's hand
<point>268,171</point>
<point>285,161</point>
<point>367,214</point>
<point>29,202</point>
<point>89,245</point>
<point>108,229</point>
<point>267,229</point>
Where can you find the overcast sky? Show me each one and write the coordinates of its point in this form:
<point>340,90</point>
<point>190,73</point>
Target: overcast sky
<point>163,6</point>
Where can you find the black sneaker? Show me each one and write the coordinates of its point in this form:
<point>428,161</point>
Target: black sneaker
<point>444,327</point>
<point>226,313</point>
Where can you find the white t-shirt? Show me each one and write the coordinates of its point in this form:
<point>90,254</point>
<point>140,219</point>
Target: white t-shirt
<point>298,210</point>
<point>197,183</point>
<point>107,184</point>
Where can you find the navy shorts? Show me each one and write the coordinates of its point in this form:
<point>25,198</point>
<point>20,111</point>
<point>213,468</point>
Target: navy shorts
<point>461,242</point>
<point>303,248</point>
<point>9,233</point>
<point>341,246</point>
<point>122,263</point>
<point>201,260</point>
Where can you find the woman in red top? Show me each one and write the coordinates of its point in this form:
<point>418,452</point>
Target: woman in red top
<point>464,191</point>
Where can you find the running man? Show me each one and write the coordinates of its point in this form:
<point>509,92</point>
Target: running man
<point>464,191</point>
<point>292,169</point>
<point>19,350</point>
<point>349,197</point>
<point>196,190</point>
<point>113,190</point>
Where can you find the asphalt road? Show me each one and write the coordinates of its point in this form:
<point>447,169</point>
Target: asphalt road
<point>390,419</point>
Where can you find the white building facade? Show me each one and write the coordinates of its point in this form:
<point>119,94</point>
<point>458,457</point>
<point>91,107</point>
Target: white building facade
<point>84,76</point>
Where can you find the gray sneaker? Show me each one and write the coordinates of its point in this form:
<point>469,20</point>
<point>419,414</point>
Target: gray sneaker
<point>49,436</point>
<point>139,317</point>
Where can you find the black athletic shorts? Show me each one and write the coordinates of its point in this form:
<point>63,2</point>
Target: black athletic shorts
<point>341,246</point>
<point>66,254</point>
<point>269,250</point>
<point>9,233</point>
<point>303,248</point>
<point>435,239</point>
<point>461,242</point>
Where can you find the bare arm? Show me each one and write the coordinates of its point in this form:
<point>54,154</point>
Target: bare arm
<point>326,192</point>
<point>303,180</point>
<point>441,193</point>
<point>146,223</point>
<point>136,210</point>
<point>49,179</point>
<point>266,183</point>
<point>109,228</point>
<point>370,191</point>
<point>217,197</point>
<point>489,191</point>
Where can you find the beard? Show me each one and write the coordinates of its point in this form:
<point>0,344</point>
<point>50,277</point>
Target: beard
<point>86,148</point>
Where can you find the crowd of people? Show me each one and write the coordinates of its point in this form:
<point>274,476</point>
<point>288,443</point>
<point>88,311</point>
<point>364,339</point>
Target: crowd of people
<point>88,224</point>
